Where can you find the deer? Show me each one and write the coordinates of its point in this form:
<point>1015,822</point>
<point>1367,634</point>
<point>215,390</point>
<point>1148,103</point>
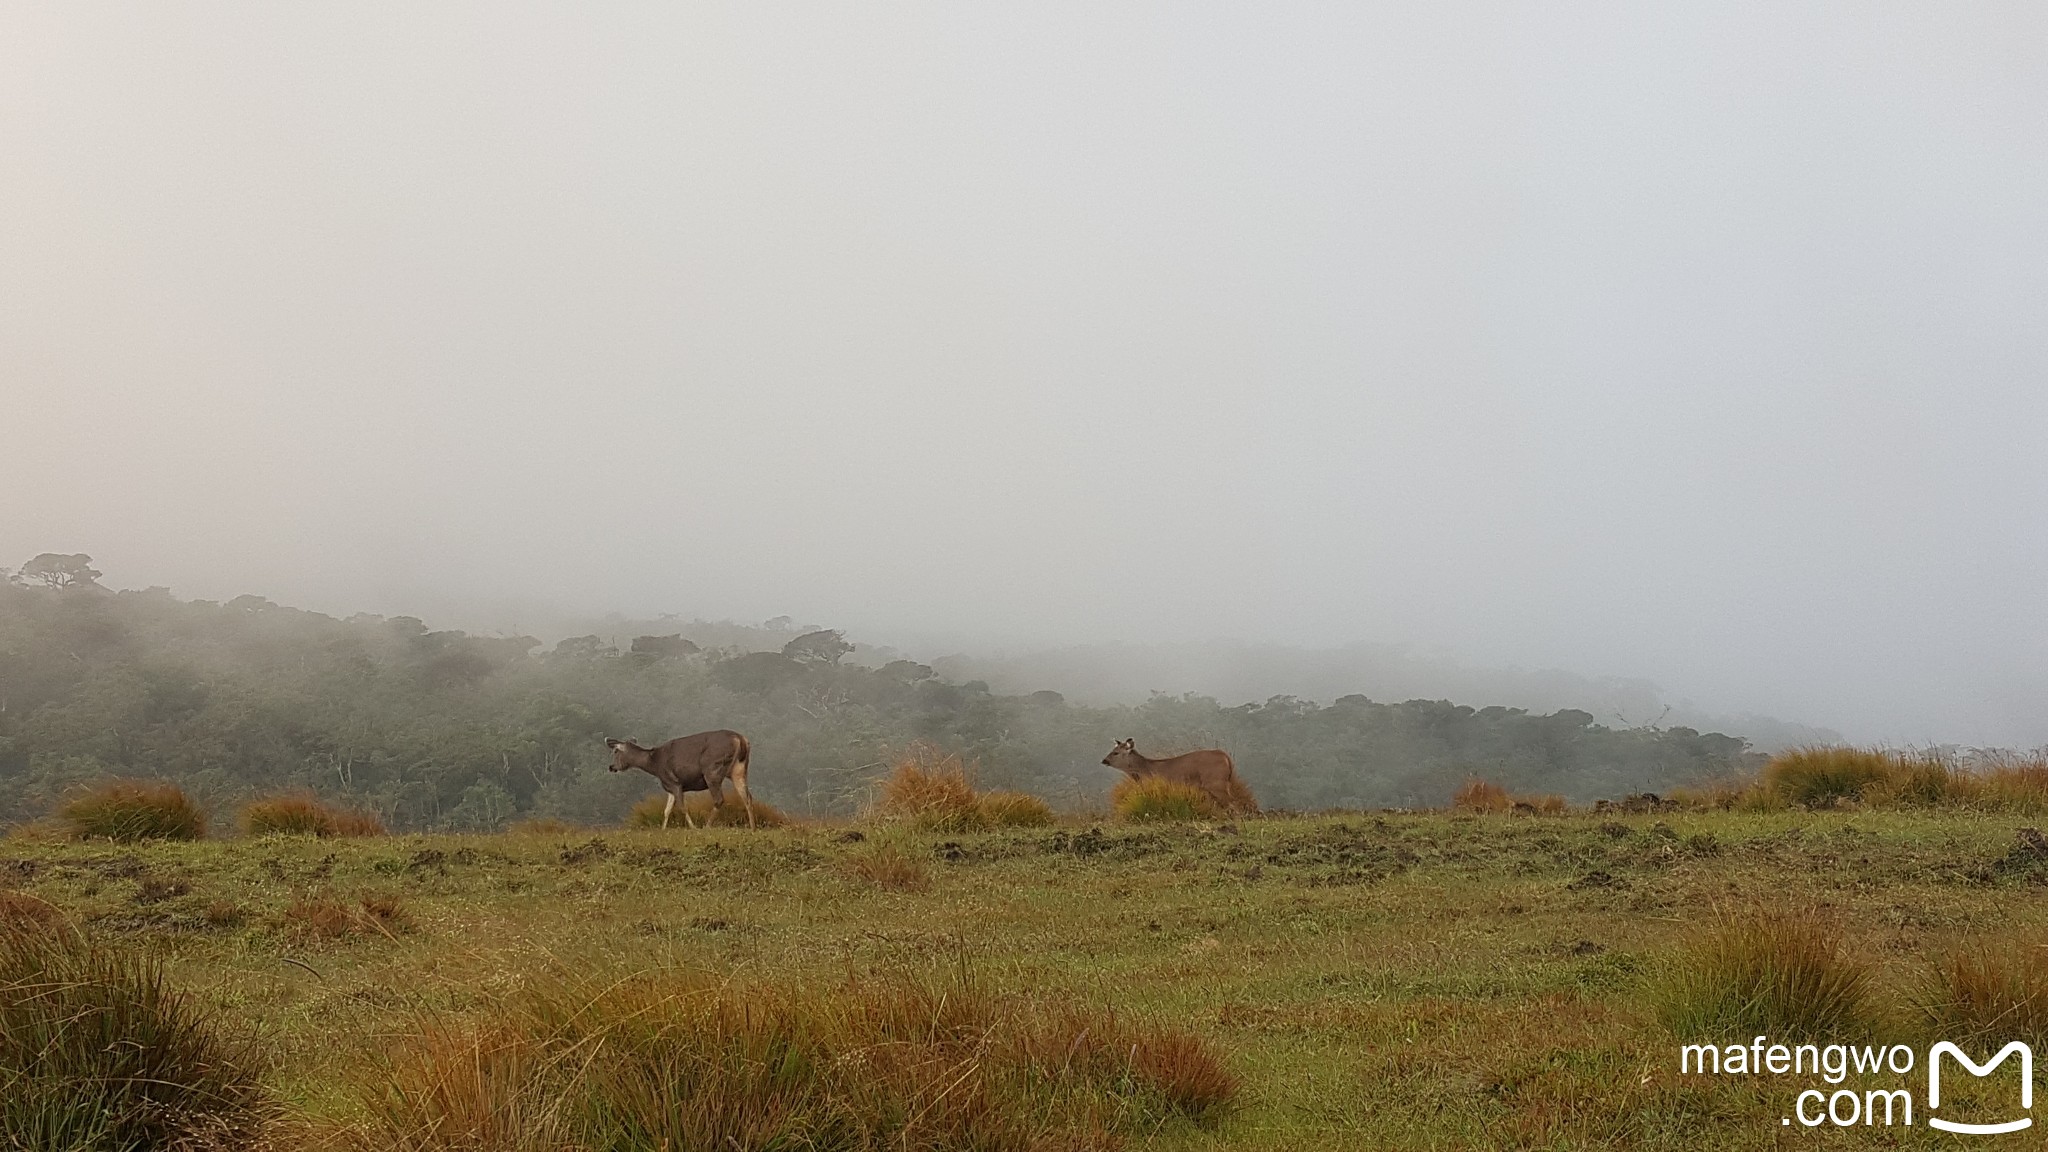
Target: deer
<point>1211,769</point>
<point>697,763</point>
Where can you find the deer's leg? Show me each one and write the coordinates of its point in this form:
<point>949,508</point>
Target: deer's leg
<point>739,785</point>
<point>686,808</point>
<point>717,789</point>
<point>670,807</point>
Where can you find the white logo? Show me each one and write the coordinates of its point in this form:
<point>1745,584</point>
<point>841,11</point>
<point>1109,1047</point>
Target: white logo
<point>1984,1069</point>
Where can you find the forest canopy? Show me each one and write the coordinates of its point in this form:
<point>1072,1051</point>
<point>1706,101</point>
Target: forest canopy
<point>449,730</point>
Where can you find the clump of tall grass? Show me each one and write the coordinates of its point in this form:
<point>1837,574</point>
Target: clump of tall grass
<point>930,789</point>
<point>1485,796</point>
<point>548,826</point>
<point>1982,992</point>
<point>1821,776</point>
<point>1155,799</point>
<point>1013,810</point>
<point>1480,796</point>
<point>98,1051</point>
<point>1765,973</point>
<point>303,814</point>
<point>130,810</point>
<point>731,814</point>
<point>675,1060</point>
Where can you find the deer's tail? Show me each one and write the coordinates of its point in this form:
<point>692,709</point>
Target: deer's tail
<point>742,750</point>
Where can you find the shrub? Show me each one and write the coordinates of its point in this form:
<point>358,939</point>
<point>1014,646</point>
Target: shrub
<point>889,867</point>
<point>130,810</point>
<point>647,813</point>
<point>675,1060</point>
<point>97,1052</point>
<point>1480,796</point>
<point>1013,810</point>
<point>1985,993</point>
<point>929,787</point>
<point>302,814</point>
<point>1819,777</point>
<point>1769,973</point>
<point>1155,799</point>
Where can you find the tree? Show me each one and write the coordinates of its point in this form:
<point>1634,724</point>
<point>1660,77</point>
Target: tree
<point>55,570</point>
<point>824,646</point>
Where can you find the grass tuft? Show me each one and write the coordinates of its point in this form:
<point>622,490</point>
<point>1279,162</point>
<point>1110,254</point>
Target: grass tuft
<point>1481,796</point>
<point>1983,993</point>
<point>675,1060</point>
<point>98,1051</point>
<point>1013,810</point>
<point>303,814</point>
<point>929,788</point>
<point>1766,973</point>
<point>1155,799</point>
<point>127,811</point>
<point>1820,777</point>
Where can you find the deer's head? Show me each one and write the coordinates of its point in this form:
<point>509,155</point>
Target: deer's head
<point>626,754</point>
<point>1124,758</point>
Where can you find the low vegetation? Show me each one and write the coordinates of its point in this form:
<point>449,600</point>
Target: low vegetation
<point>1983,992</point>
<point>887,866</point>
<point>303,814</point>
<point>731,814</point>
<point>1486,796</point>
<point>1835,776</point>
<point>679,1059</point>
<point>1155,799</point>
<point>127,811</point>
<point>98,1051</point>
<point>1767,973</point>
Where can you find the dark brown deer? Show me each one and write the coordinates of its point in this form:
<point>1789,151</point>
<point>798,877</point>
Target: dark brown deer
<point>699,763</point>
<point>1210,769</point>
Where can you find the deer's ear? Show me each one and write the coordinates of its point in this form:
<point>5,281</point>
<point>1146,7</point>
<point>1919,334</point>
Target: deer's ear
<point>610,743</point>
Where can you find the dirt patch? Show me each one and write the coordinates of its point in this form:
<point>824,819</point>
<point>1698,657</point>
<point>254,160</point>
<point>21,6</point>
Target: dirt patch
<point>593,849</point>
<point>155,891</point>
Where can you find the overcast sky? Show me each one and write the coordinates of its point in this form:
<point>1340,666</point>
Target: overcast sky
<point>1706,343</point>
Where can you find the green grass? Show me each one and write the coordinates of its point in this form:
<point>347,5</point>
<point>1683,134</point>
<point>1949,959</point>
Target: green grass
<point>98,1052</point>
<point>1373,981</point>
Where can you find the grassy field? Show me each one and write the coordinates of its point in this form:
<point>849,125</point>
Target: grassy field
<point>1377,981</point>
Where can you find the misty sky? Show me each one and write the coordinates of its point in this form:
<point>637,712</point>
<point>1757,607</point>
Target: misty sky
<point>1705,343</point>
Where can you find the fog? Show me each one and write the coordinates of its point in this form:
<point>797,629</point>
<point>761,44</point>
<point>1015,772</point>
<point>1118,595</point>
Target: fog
<point>1694,344</point>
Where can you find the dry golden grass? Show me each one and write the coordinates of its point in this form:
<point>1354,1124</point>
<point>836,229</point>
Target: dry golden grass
<point>21,911</point>
<point>929,788</point>
<point>303,814</point>
<point>1987,992</point>
<point>126,811</point>
<point>321,917</point>
<point>1155,799</point>
<point>647,813</point>
<point>1481,796</point>
<point>1013,810</point>
<point>677,1060</point>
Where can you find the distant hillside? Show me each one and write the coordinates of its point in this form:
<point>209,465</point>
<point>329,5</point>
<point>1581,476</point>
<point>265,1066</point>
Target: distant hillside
<point>445,729</point>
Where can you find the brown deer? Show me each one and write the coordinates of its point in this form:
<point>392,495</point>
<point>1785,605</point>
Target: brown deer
<point>699,763</point>
<point>1210,769</point>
